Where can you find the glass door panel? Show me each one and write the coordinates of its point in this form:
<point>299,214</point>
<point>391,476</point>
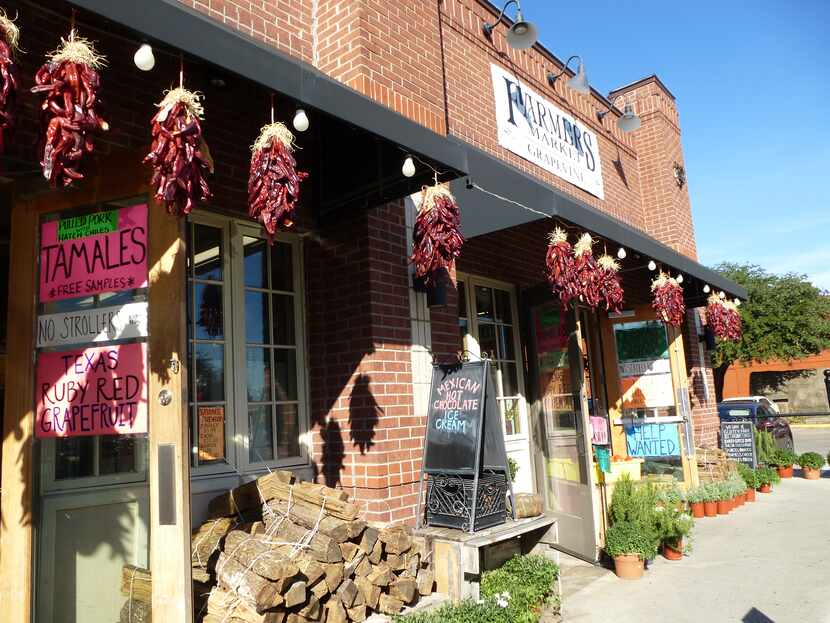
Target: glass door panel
<point>559,415</point>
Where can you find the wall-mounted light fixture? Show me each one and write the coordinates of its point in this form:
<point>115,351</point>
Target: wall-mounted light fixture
<point>578,82</point>
<point>521,35</point>
<point>629,120</point>
<point>679,174</point>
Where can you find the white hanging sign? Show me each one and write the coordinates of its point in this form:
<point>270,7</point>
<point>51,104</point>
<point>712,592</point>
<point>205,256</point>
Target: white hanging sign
<point>533,128</point>
<point>101,324</point>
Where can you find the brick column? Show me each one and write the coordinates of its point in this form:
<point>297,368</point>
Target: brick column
<point>701,383</point>
<point>366,438</point>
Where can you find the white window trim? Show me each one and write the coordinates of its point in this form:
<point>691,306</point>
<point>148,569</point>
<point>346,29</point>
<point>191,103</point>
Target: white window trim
<point>472,345</point>
<point>236,405</point>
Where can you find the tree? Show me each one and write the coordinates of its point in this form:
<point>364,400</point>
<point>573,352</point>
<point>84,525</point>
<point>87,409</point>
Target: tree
<point>785,317</point>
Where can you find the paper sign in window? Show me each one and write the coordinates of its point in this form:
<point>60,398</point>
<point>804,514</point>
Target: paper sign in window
<point>211,433</point>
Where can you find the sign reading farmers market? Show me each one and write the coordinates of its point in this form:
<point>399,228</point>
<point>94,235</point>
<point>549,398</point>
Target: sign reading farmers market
<point>535,129</point>
<point>92,391</point>
<point>93,253</point>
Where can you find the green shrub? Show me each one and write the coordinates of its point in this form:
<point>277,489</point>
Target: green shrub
<point>764,446</point>
<point>813,460</point>
<point>748,476</point>
<point>782,457</point>
<point>527,581</point>
<point>628,537</point>
<point>633,502</point>
<point>766,476</point>
<point>671,495</point>
<point>696,494</point>
<point>513,593</point>
<point>673,525</point>
<point>513,468</point>
<point>711,492</point>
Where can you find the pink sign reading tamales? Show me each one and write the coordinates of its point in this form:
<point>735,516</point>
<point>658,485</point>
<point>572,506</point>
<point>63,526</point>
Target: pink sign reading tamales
<point>93,253</point>
<point>92,391</point>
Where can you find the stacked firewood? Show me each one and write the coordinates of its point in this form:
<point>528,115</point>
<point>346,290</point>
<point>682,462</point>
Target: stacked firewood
<point>277,550</point>
<point>136,587</point>
<point>713,465</point>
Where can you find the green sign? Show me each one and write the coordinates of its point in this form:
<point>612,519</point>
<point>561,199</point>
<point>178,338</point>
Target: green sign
<point>638,341</point>
<point>87,225</point>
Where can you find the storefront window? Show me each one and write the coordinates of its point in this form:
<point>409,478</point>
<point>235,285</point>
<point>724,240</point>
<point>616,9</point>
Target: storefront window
<point>496,339</point>
<point>651,428</point>
<point>244,328</point>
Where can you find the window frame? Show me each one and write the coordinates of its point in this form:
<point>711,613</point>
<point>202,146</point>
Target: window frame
<point>236,461</point>
<point>472,345</point>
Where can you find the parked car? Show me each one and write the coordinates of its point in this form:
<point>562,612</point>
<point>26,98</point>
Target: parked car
<point>771,405</point>
<point>758,410</point>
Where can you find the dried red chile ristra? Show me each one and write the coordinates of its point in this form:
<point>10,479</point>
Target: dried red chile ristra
<point>8,76</point>
<point>69,118</point>
<point>610,286</point>
<point>436,237</point>
<point>560,268</point>
<point>587,271</point>
<point>274,182</point>
<point>724,319</point>
<point>179,155</point>
<point>668,300</point>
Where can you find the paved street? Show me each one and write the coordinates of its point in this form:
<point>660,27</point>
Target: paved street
<point>763,562</point>
<point>809,439</point>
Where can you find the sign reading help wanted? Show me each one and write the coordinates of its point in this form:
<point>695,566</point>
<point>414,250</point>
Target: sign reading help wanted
<point>93,391</point>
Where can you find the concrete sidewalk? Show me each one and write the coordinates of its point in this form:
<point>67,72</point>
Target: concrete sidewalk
<point>767,561</point>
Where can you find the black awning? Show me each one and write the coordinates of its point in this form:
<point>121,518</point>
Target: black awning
<point>483,213</point>
<point>363,143</point>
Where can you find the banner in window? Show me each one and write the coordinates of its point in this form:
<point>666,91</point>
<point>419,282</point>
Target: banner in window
<point>92,391</point>
<point>643,364</point>
<point>93,253</point>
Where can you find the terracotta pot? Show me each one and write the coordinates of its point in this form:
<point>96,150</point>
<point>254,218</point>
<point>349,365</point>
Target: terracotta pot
<point>628,566</point>
<point>810,473</point>
<point>710,508</point>
<point>765,488</point>
<point>723,507</point>
<point>750,495</point>
<point>742,499</point>
<point>673,551</point>
<point>697,510</point>
<point>785,472</point>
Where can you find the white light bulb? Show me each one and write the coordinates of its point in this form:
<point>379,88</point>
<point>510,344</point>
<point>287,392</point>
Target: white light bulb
<point>408,168</point>
<point>707,289</point>
<point>652,265</point>
<point>621,253</point>
<point>737,302</point>
<point>722,294</point>
<point>300,120</point>
<point>679,279</point>
<point>143,58</point>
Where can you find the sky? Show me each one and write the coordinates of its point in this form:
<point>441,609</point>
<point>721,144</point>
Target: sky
<point>752,83</point>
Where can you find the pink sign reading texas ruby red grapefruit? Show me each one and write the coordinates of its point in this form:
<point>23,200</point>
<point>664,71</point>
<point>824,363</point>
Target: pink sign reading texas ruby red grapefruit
<point>93,253</point>
<point>92,391</point>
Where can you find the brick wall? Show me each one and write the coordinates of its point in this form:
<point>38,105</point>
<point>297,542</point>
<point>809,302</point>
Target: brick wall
<point>666,206</point>
<point>701,382</point>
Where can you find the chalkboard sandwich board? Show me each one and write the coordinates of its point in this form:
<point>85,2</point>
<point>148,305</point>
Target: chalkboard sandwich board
<point>464,453</point>
<point>737,439</point>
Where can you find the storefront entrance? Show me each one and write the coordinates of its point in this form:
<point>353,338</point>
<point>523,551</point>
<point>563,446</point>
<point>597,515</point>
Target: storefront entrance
<point>565,394</point>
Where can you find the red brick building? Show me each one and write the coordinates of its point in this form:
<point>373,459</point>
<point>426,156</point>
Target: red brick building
<point>315,354</point>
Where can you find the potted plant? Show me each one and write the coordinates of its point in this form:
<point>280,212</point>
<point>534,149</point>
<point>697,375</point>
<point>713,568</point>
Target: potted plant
<point>630,544</point>
<point>710,499</point>
<point>783,460</point>
<point>740,489</point>
<point>749,479</point>
<point>696,498</point>
<point>811,463</point>
<point>672,526</point>
<point>766,476</point>
<point>724,496</point>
